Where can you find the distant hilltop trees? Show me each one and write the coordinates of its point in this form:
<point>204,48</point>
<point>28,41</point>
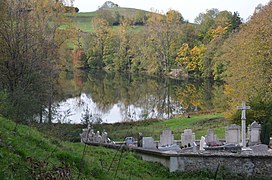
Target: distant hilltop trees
<point>109,4</point>
<point>69,9</point>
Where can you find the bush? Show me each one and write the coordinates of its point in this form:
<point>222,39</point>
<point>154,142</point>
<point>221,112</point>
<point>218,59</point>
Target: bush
<point>265,133</point>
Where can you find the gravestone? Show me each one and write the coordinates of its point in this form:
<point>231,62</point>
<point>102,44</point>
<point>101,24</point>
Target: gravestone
<point>166,138</point>
<point>140,139</point>
<point>104,137</point>
<point>148,143</point>
<point>129,141</point>
<point>98,137</point>
<point>202,143</point>
<point>194,147</point>
<point>211,138</point>
<point>87,135</point>
<point>187,138</point>
<point>233,134</point>
<point>254,131</point>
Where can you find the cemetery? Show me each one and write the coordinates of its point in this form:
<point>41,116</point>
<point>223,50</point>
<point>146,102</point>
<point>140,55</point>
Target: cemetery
<point>241,151</point>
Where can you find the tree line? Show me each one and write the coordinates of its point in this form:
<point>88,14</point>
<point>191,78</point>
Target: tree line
<point>165,42</point>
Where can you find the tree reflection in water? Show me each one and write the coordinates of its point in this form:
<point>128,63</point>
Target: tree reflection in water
<point>114,97</point>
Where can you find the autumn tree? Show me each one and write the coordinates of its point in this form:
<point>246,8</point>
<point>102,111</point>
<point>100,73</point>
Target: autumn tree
<point>29,43</point>
<point>122,60</point>
<point>248,58</point>
<point>215,27</point>
<point>191,59</point>
<point>164,35</point>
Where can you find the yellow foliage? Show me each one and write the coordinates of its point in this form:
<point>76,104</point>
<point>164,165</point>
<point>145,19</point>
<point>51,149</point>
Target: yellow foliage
<point>192,59</point>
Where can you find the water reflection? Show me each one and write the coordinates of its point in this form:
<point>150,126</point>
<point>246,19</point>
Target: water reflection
<point>113,97</point>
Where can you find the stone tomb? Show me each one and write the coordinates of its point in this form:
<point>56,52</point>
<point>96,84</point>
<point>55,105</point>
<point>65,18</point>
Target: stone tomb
<point>148,143</point>
<point>254,131</point>
<point>166,138</point>
<point>233,134</point>
<point>187,138</point>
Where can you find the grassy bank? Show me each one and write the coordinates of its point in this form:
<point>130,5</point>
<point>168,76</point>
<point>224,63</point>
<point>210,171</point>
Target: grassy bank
<point>28,154</point>
<point>118,131</point>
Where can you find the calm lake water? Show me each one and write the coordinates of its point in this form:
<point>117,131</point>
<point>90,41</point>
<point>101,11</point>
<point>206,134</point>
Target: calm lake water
<point>113,97</point>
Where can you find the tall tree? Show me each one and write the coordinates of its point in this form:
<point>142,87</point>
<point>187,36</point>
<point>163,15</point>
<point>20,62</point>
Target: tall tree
<point>164,35</point>
<point>248,57</point>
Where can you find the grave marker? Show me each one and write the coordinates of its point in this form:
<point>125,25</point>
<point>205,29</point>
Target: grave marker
<point>243,118</point>
<point>148,143</point>
<point>166,138</point>
<point>233,134</point>
<point>187,138</point>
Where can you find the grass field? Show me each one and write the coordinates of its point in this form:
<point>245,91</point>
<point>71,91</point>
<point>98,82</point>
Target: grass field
<point>198,123</point>
<point>83,20</point>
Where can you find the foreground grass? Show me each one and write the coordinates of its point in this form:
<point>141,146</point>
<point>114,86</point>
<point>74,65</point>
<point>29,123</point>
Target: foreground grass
<point>25,153</point>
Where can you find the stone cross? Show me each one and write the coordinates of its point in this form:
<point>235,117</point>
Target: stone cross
<point>243,118</point>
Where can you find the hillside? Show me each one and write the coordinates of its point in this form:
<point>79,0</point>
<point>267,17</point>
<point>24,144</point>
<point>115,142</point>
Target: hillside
<point>29,154</point>
<point>83,20</point>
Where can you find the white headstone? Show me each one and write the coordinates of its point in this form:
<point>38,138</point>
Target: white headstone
<point>187,138</point>
<point>129,141</point>
<point>202,143</point>
<point>254,132</point>
<point>98,137</point>
<point>194,147</point>
<point>148,143</point>
<point>211,138</point>
<point>104,137</point>
<point>166,138</point>
<point>233,134</point>
<point>87,135</point>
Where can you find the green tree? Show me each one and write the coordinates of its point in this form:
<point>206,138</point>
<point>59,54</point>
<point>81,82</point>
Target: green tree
<point>99,48</point>
<point>122,60</point>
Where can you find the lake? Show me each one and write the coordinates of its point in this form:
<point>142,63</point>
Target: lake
<point>112,97</point>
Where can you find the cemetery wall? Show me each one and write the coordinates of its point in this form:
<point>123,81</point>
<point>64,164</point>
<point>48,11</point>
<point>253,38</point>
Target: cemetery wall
<point>245,165</point>
<point>239,163</point>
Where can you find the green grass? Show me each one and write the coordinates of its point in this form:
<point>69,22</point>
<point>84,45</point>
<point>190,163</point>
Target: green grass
<point>198,123</point>
<point>118,131</point>
<point>28,154</point>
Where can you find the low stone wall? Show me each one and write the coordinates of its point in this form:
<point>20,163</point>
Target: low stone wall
<point>242,163</point>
